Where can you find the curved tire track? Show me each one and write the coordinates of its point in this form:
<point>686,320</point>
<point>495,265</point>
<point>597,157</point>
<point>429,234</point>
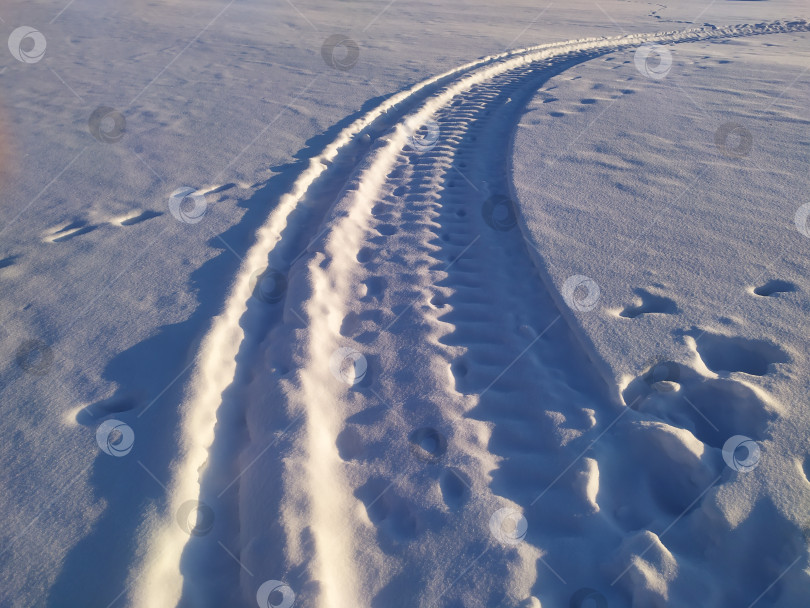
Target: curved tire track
<point>299,489</point>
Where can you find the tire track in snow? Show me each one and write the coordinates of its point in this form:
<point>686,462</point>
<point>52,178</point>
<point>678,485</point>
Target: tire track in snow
<point>293,512</point>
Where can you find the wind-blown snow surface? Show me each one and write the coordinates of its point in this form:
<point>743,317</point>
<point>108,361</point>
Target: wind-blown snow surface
<point>476,396</point>
<point>694,244</point>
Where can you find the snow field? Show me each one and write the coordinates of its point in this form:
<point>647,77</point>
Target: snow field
<point>369,243</point>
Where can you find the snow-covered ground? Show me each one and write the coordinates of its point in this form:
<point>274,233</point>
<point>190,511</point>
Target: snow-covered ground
<point>685,219</point>
<point>290,318</point>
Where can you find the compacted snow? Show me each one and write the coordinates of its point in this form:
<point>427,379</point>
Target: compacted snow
<point>404,304</point>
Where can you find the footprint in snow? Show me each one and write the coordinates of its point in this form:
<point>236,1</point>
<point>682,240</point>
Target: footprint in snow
<point>71,230</point>
<point>711,409</point>
<point>727,354</point>
<point>91,414</point>
<point>9,261</point>
<point>60,234</point>
<point>774,287</point>
<point>647,303</point>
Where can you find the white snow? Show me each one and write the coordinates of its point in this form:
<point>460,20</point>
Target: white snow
<point>275,332</point>
<point>699,266</point>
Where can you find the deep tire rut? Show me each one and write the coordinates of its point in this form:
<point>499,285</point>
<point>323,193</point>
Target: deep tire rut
<point>474,396</point>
